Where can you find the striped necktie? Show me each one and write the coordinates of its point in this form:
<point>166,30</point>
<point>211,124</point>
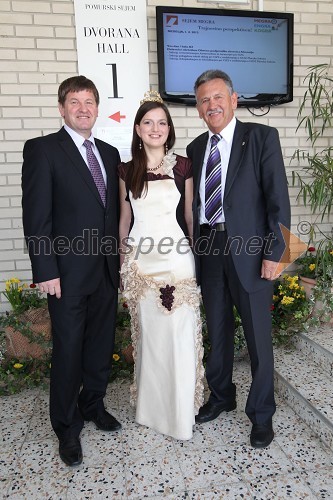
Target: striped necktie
<point>213,199</point>
<point>95,170</point>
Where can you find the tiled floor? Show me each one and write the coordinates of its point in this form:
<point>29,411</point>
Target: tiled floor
<point>138,463</point>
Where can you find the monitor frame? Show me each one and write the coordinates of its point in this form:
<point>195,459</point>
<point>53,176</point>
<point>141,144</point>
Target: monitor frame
<point>257,101</point>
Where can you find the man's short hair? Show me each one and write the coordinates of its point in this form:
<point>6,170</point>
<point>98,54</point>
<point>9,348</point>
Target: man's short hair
<point>76,84</point>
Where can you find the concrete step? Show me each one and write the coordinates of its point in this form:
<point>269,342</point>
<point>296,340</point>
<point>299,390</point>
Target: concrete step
<point>318,345</point>
<point>304,378</point>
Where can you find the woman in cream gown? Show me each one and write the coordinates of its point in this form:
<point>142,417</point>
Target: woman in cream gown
<point>158,276</point>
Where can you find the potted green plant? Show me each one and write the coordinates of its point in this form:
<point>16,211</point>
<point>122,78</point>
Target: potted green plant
<point>315,178</point>
<point>315,115</point>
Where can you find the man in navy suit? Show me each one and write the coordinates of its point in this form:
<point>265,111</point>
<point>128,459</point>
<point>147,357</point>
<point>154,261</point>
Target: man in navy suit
<point>71,230</point>
<point>246,244</point>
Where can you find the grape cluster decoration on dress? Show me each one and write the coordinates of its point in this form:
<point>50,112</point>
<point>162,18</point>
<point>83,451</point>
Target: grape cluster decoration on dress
<point>167,297</point>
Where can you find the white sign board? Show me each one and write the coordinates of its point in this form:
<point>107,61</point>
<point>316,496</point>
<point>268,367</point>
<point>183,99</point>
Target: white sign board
<point>224,1</point>
<point>112,48</point>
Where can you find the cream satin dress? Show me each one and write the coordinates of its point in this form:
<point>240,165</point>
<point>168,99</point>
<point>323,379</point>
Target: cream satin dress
<point>164,302</point>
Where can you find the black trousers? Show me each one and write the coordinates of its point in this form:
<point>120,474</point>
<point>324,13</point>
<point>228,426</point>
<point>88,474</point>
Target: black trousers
<point>83,329</point>
<point>221,290</point>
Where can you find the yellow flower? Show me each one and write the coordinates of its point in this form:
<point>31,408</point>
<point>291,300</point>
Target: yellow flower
<point>18,366</point>
<point>312,267</point>
<point>293,282</point>
<point>9,283</point>
<point>286,301</point>
<point>116,357</point>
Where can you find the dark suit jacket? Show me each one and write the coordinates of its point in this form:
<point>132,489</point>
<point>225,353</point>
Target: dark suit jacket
<point>65,223</point>
<point>255,200</point>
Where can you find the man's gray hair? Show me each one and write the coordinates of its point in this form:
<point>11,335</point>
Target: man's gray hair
<point>212,74</point>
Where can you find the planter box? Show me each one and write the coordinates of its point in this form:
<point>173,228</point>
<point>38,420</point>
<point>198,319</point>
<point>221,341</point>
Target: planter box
<point>18,345</point>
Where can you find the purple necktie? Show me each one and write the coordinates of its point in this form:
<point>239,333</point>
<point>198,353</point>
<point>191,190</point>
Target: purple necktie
<point>213,202</point>
<point>95,170</point>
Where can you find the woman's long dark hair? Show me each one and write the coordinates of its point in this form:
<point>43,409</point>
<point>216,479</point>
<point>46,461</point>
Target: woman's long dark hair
<point>136,175</point>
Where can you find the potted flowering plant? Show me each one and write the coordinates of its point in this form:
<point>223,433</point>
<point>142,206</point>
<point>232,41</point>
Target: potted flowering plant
<point>290,309</point>
<point>307,264</point>
<point>316,264</point>
<point>21,296</point>
<point>27,326</point>
<point>308,269</point>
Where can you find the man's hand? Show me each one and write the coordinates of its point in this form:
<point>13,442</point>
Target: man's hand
<point>51,286</point>
<point>269,270</point>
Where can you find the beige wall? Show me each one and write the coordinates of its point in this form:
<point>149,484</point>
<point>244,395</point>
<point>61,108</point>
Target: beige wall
<point>38,51</point>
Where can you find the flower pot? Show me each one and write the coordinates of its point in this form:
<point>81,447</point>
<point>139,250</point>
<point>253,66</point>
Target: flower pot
<point>308,284</point>
<point>18,345</point>
<point>318,310</point>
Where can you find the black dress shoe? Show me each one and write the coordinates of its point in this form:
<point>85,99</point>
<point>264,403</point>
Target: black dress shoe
<point>261,435</point>
<point>70,451</point>
<point>105,422</point>
<point>209,411</point>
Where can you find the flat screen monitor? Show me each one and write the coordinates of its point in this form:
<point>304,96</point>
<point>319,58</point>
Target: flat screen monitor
<point>254,48</point>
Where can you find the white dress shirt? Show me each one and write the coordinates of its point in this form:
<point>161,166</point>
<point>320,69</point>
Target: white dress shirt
<point>79,140</point>
<point>224,146</point>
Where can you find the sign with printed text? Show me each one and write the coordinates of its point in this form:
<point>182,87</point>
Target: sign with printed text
<point>112,48</point>
<point>226,1</point>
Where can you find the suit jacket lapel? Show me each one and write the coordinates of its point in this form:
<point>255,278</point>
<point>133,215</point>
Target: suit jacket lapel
<point>78,162</point>
<point>199,154</point>
<point>238,148</point>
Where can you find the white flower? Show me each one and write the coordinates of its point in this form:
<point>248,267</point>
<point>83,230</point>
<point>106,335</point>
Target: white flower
<point>169,161</point>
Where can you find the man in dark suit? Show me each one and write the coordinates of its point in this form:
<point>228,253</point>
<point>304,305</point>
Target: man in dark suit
<point>240,202</point>
<point>70,218</point>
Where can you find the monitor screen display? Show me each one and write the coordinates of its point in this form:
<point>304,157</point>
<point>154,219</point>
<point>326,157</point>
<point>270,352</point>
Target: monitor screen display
<point>254,48</point>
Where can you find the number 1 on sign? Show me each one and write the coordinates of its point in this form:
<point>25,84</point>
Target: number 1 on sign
<point>114,81</point>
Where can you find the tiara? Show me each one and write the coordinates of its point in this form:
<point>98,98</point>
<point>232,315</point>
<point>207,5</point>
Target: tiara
<point>151,96</point>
